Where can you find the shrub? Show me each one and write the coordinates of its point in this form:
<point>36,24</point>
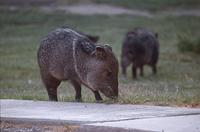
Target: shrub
<point>188,44</point>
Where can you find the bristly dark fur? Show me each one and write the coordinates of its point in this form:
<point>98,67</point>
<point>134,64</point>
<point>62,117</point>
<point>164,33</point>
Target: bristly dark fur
<point>87,46</point>
<point>140,47</point>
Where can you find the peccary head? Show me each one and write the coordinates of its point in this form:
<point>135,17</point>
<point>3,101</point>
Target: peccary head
<point>134,45</point>
<point>103,72</point>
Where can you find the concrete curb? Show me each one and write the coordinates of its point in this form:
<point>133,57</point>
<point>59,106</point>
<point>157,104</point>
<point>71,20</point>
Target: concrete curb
<point>101,117</point>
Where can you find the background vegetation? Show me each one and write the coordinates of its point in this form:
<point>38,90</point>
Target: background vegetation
<point>186,43</point>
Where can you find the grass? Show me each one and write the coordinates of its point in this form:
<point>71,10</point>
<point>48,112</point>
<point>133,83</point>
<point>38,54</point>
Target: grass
<point>186,43</point>
<point>177,81</point>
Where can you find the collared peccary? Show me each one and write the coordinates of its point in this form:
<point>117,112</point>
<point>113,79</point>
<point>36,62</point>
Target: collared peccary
<point>140,47</point>
<point>65,54</point>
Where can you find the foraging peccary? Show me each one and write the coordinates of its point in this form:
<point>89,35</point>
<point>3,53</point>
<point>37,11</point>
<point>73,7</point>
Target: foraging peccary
<point>140,47</point>
<point>65,54</point>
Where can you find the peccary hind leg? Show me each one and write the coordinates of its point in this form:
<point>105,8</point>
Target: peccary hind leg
<point>51,85</point>
<point>124,70</point>
<point>124,64</point>
<point>77,87</point>
<point>141,71</point>
<point>154,69</point>
<point>134,71</point>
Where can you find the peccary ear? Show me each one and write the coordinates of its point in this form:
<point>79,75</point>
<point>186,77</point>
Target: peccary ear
<point>87,47</point>
<point>108,46</point>
<point>99,52</point>
<point>93,38</point>
<point>156,34</point>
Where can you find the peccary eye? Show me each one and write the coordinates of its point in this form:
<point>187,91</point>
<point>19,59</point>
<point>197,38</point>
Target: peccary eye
<point>109,73</point>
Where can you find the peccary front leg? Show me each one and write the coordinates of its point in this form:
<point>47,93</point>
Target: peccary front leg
<point>124,70</point>
<point>51,85</point>
<point>141,71</point>
<point>154,69</point>
<point>134,71</point>
<point>97,96</point>
<point>77,87</point>
<point>125,62</point>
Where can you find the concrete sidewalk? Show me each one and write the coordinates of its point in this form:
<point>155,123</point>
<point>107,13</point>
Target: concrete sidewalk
<point>129,117</point>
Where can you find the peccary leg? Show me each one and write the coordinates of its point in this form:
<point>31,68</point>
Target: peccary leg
<point>134,71</point>
<point>124,64</point>
<point>123,70</point>
<point>97,96</point>
<point>154,69</point>
<point>141,71</point>
<point>51,85</point>
<point>77,87</point>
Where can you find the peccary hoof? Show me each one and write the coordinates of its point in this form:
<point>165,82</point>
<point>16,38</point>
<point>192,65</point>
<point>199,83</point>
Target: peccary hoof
<point>78,100</point>
<point>99,101</point>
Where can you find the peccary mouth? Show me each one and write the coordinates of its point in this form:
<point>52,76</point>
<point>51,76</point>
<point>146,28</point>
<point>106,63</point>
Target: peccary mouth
<point>109,94</point>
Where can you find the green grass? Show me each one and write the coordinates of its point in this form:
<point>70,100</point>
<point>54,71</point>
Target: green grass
<point>187,43</point>
<point>177,81</point>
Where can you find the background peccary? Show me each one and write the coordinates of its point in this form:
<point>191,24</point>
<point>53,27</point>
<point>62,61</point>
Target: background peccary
<point>65,54</point>
<point>140,47</point>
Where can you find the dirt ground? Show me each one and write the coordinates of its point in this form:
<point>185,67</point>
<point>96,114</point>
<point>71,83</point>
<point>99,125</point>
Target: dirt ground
<point>7,126</point>
<point>21,126</point>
